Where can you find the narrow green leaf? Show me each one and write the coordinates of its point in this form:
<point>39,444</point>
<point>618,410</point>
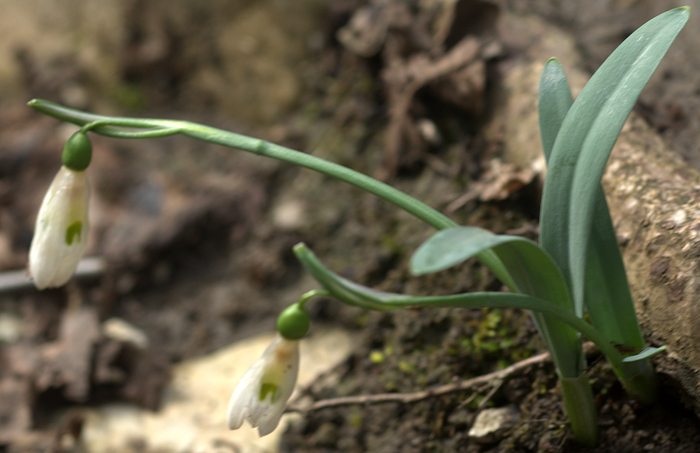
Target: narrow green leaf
<point>533,272</point>
<point>555,99</point>
<point>607,296</point>
<point>639,63</point>
<point>585,140</point>
<point>354,294</point>
<point>450,247</point>
<point>648,352</point>
<point>607,293</point>
<point>341,288</point>
<point>532,269</point>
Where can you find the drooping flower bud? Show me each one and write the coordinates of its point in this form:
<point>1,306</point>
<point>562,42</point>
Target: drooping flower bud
<point>61,230</point>
<point>261,395</point>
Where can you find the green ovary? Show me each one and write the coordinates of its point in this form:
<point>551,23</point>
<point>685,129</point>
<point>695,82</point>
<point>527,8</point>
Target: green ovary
<point>73,230</point>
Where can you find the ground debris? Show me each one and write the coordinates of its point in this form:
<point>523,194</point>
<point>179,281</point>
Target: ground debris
<point>424,46</point>
<point>66,363</point>
<point>500,181</point>
<point>80,365</point>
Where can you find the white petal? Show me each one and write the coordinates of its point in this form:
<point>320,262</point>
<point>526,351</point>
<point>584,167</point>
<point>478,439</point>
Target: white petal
<point>52,259</point>
<point>243,397</point>
<point>279,366</point>
<point>271,418</point>
<point>286,360</point>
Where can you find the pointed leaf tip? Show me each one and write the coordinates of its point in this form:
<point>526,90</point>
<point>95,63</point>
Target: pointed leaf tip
<point>450,247</point>
<point>645,354</point>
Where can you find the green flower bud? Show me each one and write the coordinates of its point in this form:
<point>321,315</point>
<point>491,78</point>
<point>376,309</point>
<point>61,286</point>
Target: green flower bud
<point>293,323</point>
<point>77,152</point>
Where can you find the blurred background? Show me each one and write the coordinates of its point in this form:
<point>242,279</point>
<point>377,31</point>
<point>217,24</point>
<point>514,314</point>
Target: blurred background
<point>190,243</point>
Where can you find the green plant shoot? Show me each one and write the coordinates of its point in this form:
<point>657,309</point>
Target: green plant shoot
<point>576,269</point>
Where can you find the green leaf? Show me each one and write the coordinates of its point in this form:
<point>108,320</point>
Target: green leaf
<point>586,138</point>
<point>450,247</point>
<point>341,288</point>
<point>648,352</point>
<point>532,270</point>
<point>555,99</point>
<point>607,293</point>
<point>559,317</point>
<point>607,296</point>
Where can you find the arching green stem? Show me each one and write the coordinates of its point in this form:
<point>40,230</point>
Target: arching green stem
<point>109,126</point>
<point>307,296</point>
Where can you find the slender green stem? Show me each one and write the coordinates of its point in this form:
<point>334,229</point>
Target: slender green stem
<point>500,300</point>
<point>307,296</point>
<point>267,149</point>
<point>254,145</point>
<point>580,409</point>
<point>633,383</point>
<point>107,125</point>
<point>350,293</point>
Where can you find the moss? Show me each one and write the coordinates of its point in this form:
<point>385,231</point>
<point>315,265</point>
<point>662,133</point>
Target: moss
<point>376,357</point>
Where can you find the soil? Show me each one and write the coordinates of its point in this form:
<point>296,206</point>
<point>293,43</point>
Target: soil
<point>197,240</point>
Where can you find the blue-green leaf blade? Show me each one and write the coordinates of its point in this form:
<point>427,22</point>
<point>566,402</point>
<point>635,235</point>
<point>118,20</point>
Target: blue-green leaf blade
<point>450,247</point>
<point>607,293</point>
<point>647,353</point>
<point>607,296</point>
<point>586,138</point>
<point>531,269</point>
<point>606,127</point>
<point>555,99</point>
<point>359,295</point>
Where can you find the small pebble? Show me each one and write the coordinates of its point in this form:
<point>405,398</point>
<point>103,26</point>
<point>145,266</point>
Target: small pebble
<point>490,422</point>
<point>120,330</point>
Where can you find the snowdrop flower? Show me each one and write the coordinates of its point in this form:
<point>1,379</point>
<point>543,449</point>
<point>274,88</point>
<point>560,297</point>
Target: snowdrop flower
<point>264,389</point>
<point>61,228</point>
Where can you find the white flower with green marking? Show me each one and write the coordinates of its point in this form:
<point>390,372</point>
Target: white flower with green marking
<point>61,229</point>
<point>261,395</point>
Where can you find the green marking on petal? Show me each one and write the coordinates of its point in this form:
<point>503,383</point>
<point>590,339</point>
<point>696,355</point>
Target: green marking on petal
<point>268,389</point>
<point>73,230</point>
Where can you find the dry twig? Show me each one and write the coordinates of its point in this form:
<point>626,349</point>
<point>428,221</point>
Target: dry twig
<point>495,379</point>
<point>412,397</point>
<point>19,280</point>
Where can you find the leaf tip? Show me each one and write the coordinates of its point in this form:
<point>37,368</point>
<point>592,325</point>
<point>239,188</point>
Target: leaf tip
<point>300,248</point>
<point>683,10</point>
<point>553,72</point>
<point>34,103</point>
<point>415,267</point>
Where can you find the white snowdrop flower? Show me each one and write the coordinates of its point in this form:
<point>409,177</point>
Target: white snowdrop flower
<point>261,395</point>
<point>61,229</point>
